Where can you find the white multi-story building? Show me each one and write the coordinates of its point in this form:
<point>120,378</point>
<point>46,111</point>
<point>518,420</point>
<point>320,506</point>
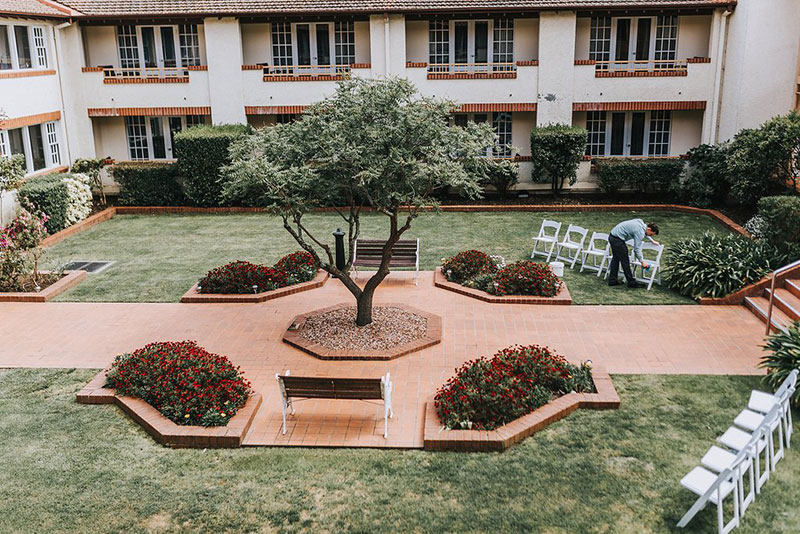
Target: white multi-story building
<point>646,78</point>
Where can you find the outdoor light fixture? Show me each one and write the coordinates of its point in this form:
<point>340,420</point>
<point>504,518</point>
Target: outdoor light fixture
<point>255,288</point>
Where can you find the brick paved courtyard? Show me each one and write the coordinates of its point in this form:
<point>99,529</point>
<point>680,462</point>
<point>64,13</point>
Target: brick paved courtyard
<point>623,339</point>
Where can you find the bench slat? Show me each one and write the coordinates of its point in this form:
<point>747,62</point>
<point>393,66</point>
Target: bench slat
<point>332,388</point>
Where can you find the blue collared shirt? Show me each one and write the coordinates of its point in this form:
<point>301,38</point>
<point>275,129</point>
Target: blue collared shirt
<point>634,229</point>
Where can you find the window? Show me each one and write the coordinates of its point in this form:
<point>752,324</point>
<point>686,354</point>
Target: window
<point>38,143</point>
<point>634,43</point>
<point>15,47</point>
<point>162,50</point>
<point>345,38</point>
<point>285,118</point>
<point>465,45</point>
<point>37,147</point>
<point>52,143</point>
<point>628,133</point>
<point>666,40</point>
<point>4,149</point>
<point>137,138</point>
<point>190,44</point>
<point>438,45</point>
<point>503,42</point>
<point>281,47</point>
<point>128,46</point>
<point>501,123</point>
<point>600,39</point>
<point>195,120</point>
<point>312,47</point>
<point>153,137</point>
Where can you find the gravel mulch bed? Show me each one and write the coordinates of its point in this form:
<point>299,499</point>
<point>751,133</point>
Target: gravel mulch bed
<point>390,327</point>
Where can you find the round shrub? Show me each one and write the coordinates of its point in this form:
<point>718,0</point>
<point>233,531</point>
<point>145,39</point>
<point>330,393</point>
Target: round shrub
<point>489,392</point>
<point>526,277</point>
<point>466,265</point>
<point>239,277</point>
<point>183,381</point>
<point>299,267</point>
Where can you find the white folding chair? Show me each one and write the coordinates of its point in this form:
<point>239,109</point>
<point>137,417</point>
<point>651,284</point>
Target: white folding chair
<point>761,403</point>
<point>598,249</point>
<point>547,239</point>
<point>738,440</point>
<point>714,488</point>
<point>653,261</point>
<point>571,244</point>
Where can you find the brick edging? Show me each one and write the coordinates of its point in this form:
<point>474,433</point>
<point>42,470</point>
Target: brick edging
<point>562,297</point>
<point>68,281</point>
<point>193,297</point>
<point>438,438</point>
<point>165,431</point>
<point>433,336</point>
<point>79,227</point>
<point>752,290</point>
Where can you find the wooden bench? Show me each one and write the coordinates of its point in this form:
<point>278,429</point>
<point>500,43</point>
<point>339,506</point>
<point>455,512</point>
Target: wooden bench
<point>314,387</point>
<point>369,252</point>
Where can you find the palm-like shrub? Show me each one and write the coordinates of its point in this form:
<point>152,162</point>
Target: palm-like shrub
<point>714,266</point>
<point>784,357</point>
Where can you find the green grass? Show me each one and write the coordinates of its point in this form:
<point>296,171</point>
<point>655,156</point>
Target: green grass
<point>76,468</point>
<point>160,257</point>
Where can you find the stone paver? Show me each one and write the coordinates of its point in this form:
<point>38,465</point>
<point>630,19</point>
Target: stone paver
<point>623,339</point>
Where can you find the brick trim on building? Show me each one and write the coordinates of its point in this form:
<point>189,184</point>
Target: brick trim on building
<point>155,112</point>
<point>29,120</point>
<point>26,73</point>
<point>92,69</point>
<point>585,62</point>
<point>496,106</point>
<point>304,77</point>
<point>416,64</point>
<point>528,63</point>
<point>698,60</point>
<point>685,105</point>
<point>273,110</point>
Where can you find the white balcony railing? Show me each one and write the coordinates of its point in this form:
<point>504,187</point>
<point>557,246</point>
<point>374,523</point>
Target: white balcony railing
<point>471,68</point>
<point>145,72</point>
<point>279,71</point>
<point>641,66</point>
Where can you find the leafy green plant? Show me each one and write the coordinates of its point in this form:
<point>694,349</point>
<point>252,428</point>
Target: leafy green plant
<point>12,171</point>
<point>148,184</point>
<point>47,194</point>
<point>91,167</point>
<point>642,175</point>
<point>781,219</point>
<point>202,152</point>
<point>502,176</point>
<point>556,151</point>
<point>526,277</point>
<point>783,358</point>
<point>705,180</point>
<point>713,266</point>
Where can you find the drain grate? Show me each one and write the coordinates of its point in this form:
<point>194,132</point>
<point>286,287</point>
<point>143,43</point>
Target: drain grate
<point>92,267</point>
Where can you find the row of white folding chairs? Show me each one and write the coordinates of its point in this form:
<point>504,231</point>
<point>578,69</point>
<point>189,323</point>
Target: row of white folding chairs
<point>571,248</point>
<point>724,471</point>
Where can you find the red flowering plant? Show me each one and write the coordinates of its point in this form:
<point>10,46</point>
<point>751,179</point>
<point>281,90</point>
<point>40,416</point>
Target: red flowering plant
<point>466,265</point>
<point>526,277</point>
<point>240,277</point>
<point>183,381</point>
<point>489,392</point>
<point>299,267</point>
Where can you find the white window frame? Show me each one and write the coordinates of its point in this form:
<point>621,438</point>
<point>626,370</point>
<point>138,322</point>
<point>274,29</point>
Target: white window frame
<point>169,149</point>
<point>633,61</point>
<point>312,45</point>
<point>627,134</point>
<point>491,118</point>
<point>189,41</point>
<point>470,65</point>
<point>5,148</point>
<point>159,49</point>
<point>39,46</point>
<point>52,151</point>
<point>52,144</point>
<point>180,60</point>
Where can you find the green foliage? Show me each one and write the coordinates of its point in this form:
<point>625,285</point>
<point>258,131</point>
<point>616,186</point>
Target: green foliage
<point>202,152</point>
<point>765,160</point>
<point>12,171</point>
<point>47,194</point>
<point>502,176</point>
<point>642,175</point>
<point>781,220</point>
<point>705,180</point>
<point>466,265</point>
<point>784,357</point>
<point>20,249</point>
<point>556,150</point>
<point>526,277</point>
<point>148,184</point>
<point>714,266</point>
<point>91,167</point>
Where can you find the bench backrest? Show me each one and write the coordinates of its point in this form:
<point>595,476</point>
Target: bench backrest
<point>313,387</point>
<point>404,248</point>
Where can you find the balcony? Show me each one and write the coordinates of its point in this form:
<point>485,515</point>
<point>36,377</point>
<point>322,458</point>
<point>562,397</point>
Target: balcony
<point>304,73</point>
<point>638,69</point>
<point>471,71</point>
<point>118,75</point>
<point>511,83</point>
<point>112,87</point>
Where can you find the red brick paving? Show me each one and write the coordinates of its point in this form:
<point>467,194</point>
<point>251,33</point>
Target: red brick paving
<point>623,339</point>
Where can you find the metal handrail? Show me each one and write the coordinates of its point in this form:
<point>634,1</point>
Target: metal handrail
<point>772,291</point>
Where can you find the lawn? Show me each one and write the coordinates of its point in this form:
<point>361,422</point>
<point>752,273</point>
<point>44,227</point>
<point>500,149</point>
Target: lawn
<point>78,468</point>
<point>158,258</point>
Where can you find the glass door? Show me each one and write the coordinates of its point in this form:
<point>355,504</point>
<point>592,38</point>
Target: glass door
<point>633,43</point>
<point>313,48</point>
<point>471,46</point>
<point>637,133</point>
<point>158,50</point>
<point>617,145</point>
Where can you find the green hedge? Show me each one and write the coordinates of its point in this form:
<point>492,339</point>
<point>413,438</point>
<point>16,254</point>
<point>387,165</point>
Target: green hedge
<point>47,194</point>
<point>556,151</point>
<point>201,152</point>
<point>642,175</point>
<point>781,217</point>
<point>148,184</point>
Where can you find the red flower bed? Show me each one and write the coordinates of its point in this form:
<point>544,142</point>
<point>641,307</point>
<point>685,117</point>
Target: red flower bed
<point>489,392</point>
<point>183,381</point>
<point>526,278</point>
<point>466,265</point>
<point>242,277</point>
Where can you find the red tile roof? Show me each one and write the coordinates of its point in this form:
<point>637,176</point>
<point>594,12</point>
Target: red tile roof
<point>34,8</point>
<point>123,8</point>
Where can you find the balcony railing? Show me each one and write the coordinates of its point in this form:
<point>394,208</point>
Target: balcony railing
<point>473,69</point>
<point>635,66</point>
<point>283,71</point>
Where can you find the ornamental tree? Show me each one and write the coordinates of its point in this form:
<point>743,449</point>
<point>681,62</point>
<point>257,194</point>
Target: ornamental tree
<point>373,144</point>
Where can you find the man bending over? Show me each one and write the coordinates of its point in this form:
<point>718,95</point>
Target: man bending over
<point>635,230</point>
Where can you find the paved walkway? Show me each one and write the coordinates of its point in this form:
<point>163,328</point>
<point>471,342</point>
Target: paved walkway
<point>624,339</point>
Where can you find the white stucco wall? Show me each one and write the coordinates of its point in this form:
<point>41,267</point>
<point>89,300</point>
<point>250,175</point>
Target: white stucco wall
<point>255,43</point>
<point>110,138</point>
<point>224,50</point>
<point>582,27</point>
<point>391,61</point>
<point>687,127</point>
<point>522,123</point>
<point>361,28</point>
<point>78,126</point>
<point>521,89</point>
<point>526,39</point>
<point>101,45</point>
<point>417,41</point>
<point>556,49</point>
<point>693,35</point>
<point>760,65</point>
<point>8,206</point>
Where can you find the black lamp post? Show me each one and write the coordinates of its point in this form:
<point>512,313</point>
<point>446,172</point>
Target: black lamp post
<point>339,237</point>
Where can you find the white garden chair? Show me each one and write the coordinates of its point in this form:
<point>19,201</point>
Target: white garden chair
<point>598,249</point>
<point>569,249</point>
<point>548,237</point>
<point>714,488</point>
<point>653,260</point>
<point>762,402</point>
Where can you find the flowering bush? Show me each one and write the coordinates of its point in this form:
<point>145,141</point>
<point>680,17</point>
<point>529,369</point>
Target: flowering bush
<point>299,267</point>
<point>20,250</point>
<point>241,277</point>
<point>79,198</point>
<point>183,381</point>
<point>489,392</point>
<point>526,278</point>
<point>466,265</point>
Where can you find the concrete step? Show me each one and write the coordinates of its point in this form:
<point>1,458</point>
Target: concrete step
<point>760,305</point>
<point>786,302</point>
<point>793,286</point>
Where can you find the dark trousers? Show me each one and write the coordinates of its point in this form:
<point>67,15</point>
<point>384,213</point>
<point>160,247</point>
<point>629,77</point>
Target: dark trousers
<point>619,255</point>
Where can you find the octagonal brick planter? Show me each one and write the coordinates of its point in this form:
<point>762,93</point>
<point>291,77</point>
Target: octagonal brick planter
<point>433,336</point>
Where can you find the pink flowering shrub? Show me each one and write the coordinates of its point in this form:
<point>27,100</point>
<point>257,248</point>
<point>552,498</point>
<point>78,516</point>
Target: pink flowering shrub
<point>20,249</point>
<point>183,381</point>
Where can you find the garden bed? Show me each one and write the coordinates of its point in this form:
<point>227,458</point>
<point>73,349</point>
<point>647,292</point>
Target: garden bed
<point>165,431</point>
<point>431,336</point>
<point>562,298</point>
<point>194,297</point>
<point>68,281</point>
<point>439,438</point>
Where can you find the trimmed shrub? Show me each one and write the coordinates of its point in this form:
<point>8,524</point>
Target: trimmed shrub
<point>502,175</point>
<point>466,265</point>
<point>705,179</point>
<point>298,267</point>
<point>148,184</point>
<point>183,381</point>
<point>781,216</point>
<point>556,150</point>
<point>202,152</point>
<point>784,357</point>
<point>489,392</point>
<point>526,277</point>
<point>242,277</point>
<point>642,175</point>
<point>47,194</point>
<point>714,266</point>
<point>12,171</point>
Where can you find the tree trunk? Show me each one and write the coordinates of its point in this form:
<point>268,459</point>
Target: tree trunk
<point>364,306</point>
